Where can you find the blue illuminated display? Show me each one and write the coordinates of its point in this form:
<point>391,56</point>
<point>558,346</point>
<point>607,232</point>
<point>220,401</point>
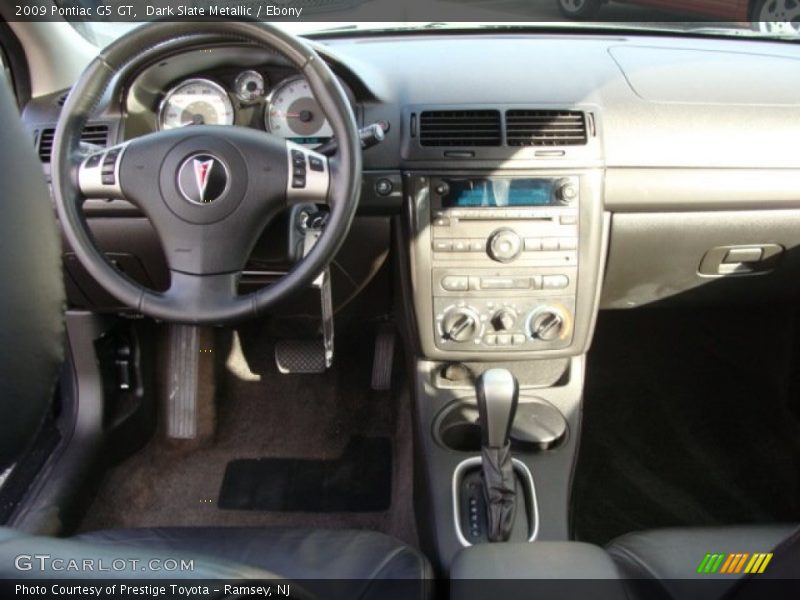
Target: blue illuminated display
<point>498,192</point>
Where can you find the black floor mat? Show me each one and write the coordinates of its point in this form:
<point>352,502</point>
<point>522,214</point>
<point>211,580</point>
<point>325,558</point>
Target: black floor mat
<point>359,481</point>
<point>689,419</point>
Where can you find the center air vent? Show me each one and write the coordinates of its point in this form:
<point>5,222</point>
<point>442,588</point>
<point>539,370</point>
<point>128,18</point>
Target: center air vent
<point>545,128</point>
<point>463,128</point>
<point>92,134</point>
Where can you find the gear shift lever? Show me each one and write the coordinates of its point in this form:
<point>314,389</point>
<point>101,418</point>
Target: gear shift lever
<point>497,392</point>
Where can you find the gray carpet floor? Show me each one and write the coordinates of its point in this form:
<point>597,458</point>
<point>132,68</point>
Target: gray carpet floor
<point>261,413</point>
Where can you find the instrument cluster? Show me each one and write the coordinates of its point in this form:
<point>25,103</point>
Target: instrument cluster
<point>285,107</point>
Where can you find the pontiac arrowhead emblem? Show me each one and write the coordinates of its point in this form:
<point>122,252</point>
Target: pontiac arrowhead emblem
<point>201,172</point>
<point>203,178</point>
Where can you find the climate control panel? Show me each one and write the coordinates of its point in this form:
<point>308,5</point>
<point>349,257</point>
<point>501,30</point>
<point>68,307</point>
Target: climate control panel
<point>518,322</point>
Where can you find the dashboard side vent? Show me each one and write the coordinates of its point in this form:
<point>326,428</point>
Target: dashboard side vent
<point>546,128</point>
<point>62,99</point>
<point>96,135</point>
<point>460,128</point>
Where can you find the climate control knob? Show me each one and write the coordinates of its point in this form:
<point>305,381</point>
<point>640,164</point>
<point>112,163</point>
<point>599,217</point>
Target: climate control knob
<point>504,245</point>
<point>504,319</point>
<point>548,323</point>
<point>460,324</point>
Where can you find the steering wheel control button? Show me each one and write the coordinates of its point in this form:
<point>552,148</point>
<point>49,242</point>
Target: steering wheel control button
<point>308,175</point>
<point>203,178</point>
<point>315,164</point>
<point>93,161</point>
<point>298,169</point>
<point>98,175</point>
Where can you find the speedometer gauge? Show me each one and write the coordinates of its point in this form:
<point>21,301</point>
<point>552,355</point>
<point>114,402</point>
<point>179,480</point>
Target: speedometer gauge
<point>196,102</point>
<point>293,113</point>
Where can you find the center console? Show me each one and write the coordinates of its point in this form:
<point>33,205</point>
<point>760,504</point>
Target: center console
<point>504,253</point>
<point>505,264</point>
<point>505,269</point>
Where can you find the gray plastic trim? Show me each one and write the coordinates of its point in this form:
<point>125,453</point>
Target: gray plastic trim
<point>646,189</point>
<point>475,461</point>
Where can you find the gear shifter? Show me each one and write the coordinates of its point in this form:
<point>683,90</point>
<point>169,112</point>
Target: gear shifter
<point>497,392</point>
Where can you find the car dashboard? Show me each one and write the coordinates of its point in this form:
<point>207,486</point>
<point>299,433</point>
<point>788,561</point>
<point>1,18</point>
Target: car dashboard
<point>534,178</point>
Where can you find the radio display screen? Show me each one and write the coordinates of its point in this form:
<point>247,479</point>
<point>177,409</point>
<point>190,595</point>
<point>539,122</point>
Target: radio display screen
<point>498,192</point>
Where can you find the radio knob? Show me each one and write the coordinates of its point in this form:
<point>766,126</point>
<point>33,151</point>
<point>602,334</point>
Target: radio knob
<point>504,319</point>
<point>547,324</point>
<point>460,324</point>
<point>567,191</point>
<point>504,245</point>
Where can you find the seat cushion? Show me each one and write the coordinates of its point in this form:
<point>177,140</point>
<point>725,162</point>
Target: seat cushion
<point>669,558</point>
<point>359,560</point>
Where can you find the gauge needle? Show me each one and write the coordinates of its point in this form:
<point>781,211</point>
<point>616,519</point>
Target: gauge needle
<point>196,120</point>
<point>304,115</point>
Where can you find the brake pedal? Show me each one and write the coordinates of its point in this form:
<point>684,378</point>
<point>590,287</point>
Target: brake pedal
<point>383,359</point>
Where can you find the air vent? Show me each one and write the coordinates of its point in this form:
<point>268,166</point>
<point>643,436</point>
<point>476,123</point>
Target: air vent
<point>62,99</point>
<point>545,128</point>
<point>463,128</point>
<point>92,134</point>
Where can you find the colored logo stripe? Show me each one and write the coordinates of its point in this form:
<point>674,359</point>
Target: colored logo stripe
<point>758,563</point>
<point>733,563</point>
<point>710,563</point>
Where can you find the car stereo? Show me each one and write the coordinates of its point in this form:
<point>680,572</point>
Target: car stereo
<point>504,261</point>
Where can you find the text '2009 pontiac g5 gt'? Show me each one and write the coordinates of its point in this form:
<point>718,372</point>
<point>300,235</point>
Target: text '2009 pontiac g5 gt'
<point>399,310</point>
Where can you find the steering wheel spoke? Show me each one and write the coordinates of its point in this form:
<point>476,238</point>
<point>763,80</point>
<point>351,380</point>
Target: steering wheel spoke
<point>308,177</point>
<point>99,174</point>
<point>200,295</point>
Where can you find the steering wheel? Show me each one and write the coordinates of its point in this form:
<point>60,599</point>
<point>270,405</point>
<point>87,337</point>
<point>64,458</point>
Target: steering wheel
<point>209,191</point>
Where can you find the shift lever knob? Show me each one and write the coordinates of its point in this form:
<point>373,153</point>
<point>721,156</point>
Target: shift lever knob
<point>497,392</point>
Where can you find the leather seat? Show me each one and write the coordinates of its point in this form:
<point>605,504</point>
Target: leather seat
<point>293,553</point>
<point>367,564</point>
<point>664,563</point>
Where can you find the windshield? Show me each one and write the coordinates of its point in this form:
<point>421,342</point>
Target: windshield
<point>101,21</point>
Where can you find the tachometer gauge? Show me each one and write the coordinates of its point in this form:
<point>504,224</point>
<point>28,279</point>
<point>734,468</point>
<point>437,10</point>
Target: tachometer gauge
<point>250,86</point>
<point>196,102</point>
<point>293,113</point>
